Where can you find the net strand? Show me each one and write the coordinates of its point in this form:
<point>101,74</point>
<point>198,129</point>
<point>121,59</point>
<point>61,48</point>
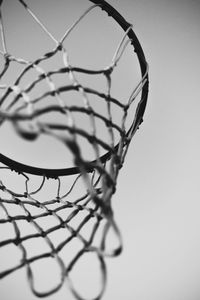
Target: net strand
<point>33,15</point>
<point>3,38</point>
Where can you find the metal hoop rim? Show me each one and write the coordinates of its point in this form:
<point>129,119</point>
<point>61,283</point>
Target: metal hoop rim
<point>55,173</point>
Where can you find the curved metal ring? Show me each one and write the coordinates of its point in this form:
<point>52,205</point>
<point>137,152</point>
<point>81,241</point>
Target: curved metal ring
<point>55,173</point>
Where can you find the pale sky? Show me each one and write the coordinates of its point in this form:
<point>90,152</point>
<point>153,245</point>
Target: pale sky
<point>157,200</point>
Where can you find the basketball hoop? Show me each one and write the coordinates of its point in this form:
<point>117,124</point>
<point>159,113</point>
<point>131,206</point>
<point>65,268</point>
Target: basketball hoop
<point>81,192</point>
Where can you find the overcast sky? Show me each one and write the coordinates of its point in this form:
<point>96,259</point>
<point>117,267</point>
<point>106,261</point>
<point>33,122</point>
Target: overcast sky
<point>157,199</point>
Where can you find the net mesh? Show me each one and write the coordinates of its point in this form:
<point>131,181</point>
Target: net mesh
<point>74,203</point>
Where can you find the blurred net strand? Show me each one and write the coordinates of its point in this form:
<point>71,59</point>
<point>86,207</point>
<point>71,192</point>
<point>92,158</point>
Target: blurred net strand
<point>75,233</point>
<point>100,182</point>
<point>2,34</point>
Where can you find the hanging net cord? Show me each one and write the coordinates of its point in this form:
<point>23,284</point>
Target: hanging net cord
<point>84,201</point>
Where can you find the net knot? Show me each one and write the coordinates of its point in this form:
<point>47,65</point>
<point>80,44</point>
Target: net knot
<point>17,241</point>
<point>7,56</point>
<point>43,234</point>
<point>2,186</point>
<point>29,218</point>
<point>108,71</point>
<point>17,201</point>
<point>59,47</point>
